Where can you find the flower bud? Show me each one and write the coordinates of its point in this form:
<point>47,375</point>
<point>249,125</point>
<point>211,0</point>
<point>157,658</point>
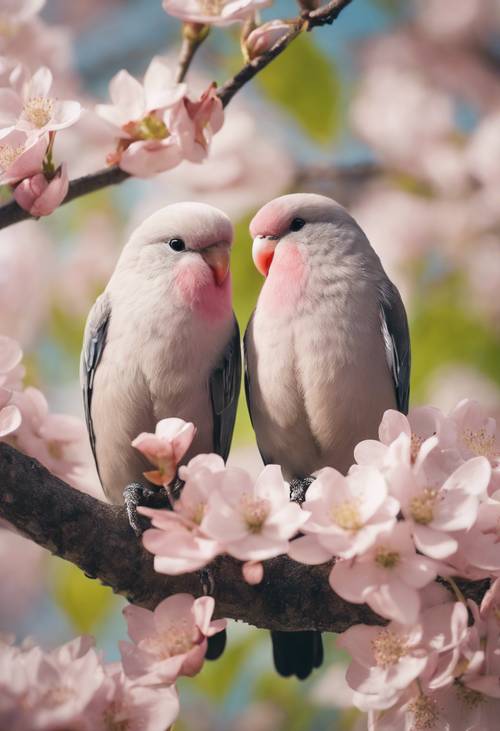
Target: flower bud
<point>40,196</point>
<point>265,36</point>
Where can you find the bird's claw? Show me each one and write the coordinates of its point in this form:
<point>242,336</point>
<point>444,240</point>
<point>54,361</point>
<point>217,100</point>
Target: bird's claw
<point>136,494</point>
<point>299,487</point>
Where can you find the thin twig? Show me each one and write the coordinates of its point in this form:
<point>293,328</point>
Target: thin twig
<point>11,213</point>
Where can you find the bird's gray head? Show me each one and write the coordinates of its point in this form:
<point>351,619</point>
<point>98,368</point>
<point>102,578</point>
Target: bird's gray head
<point>189,243</point>
<point>314,223</point>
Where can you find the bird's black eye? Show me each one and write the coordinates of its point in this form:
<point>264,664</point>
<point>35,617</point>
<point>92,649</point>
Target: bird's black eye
<point>177,244</point>
<point>297,224</point>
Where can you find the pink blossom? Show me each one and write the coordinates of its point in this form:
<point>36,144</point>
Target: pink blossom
<point>399,113</point>
<point>434,511</point>
<point>196,122</point>
<point>126,704</point>
<point>170,641</point>
<point>140,115</point>
<point>213,12</point>
<point>49,690</point>
<point>20,157</point>
<point>33,111</point>
<point>385,661</point>
<point>178,549</point>
<point>422,427</point>
<point>253,521</point>
<point>387,577</point>
<point>265,36</point>
<point>133,102</point>
<point>165,448</point>
<point>478,550</point>
<point>177,538</point>
<point>476,435</point>
<point>346,515</point>
<point>41,196</point>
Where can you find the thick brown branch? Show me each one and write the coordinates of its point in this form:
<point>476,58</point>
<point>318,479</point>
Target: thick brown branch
<point>11,213</point>
<point>97,538</point>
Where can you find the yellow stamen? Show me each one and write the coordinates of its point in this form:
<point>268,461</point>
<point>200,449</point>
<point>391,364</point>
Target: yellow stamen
<point>388,648</point>
<point>38,110</point>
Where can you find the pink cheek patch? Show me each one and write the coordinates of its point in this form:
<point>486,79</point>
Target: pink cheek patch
<point>286,278</point>
<point>197,289</point>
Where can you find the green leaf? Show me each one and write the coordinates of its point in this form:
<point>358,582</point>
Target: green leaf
<point>85,601</point>
<point>305,83</point>
<point>444,330</point>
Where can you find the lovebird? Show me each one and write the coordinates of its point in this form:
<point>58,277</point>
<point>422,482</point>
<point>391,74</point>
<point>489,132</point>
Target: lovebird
<point>327,351</point>
<point>162,341</point>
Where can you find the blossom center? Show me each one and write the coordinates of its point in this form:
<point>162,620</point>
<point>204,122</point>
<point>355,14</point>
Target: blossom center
<point>148,128</point>
<point>346,515</point>
<point>212,7</point>
<point>57,696</point>
<point>113,718</point>
<point>198,512</point>
<point>480,443</point>
<point>469,697</point>
<point>172,641</point>
<point>425,712</point>
<point>415,444</point>
<point>8,155</point>
<point>255,512</point>
<point>388,648</point>
<point>422,506</point>
<point>386,558</point>
<point>38,110</point>
<point>8,28</point>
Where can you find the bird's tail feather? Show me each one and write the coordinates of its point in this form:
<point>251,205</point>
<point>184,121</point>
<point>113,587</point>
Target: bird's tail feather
<point>216,645</point>
<point>297,653</point>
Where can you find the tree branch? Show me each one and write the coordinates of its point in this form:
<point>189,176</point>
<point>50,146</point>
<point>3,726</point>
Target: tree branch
<point>11,212</point>
<point>97,537</point>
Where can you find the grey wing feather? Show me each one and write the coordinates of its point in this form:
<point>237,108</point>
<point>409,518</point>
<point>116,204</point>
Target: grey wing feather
<point>248,392</point>
<point>94,342</point>
<point>396,336</point>
<point>225,382</point>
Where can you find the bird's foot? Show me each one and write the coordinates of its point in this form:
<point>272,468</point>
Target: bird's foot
<point>299,487</point>
<point>136,494</point>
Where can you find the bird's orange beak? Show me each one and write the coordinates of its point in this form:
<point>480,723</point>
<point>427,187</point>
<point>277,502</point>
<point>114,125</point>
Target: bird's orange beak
<point>263,252</point>
<point>217,257</point>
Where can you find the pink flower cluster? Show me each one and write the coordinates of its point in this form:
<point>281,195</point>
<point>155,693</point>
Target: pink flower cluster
<point>72,687</point>
<point>422,501</point>
<point>30,119</point>
<point>55,440</point>
<point>220,510</point>
<point>156,123</point>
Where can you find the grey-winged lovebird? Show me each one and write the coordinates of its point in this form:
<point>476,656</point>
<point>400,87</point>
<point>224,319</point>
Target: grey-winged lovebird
<point>327,351</point>
<point>162,341</point>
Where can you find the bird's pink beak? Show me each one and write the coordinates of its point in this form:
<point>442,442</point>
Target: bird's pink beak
<point>217,257</point>
<point>263,252</point>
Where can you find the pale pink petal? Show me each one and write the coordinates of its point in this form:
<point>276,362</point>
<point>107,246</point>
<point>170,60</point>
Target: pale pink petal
<point>39,84</point>
<point>306,549</point>
<point>10,420</point>
<point>140,622</point>
<point>146,158</point>
<point>370,452</point>
<point>395,600</point>
<point>173,609</point>
<point>253,572</point>
<point>433,543</point>
<point>10,354</point>
<point>203,609</point>
<point>472,477</point>
<point>127,95</point>
<point>392,425</point>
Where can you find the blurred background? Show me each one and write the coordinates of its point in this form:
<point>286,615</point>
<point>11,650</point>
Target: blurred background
<point>394,112</point>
